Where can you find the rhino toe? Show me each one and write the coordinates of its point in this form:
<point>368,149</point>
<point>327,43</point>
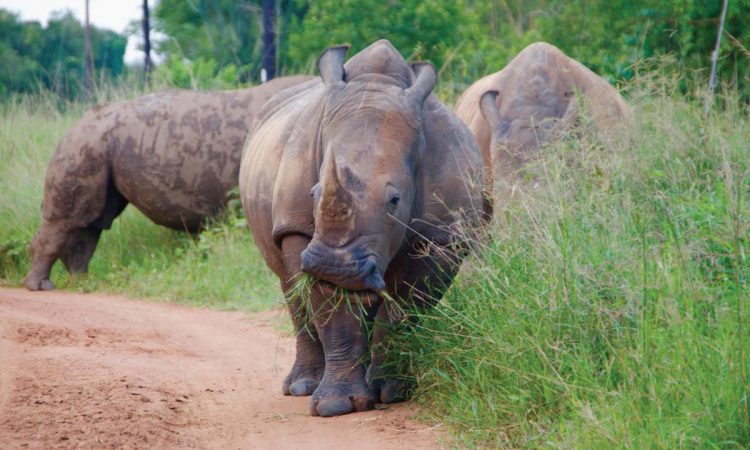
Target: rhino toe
<point>394,391</point>
<point>302,380</point>
<point>338,405</point>
<point>331,407</point>
<point>35,284</point>
<point>305,386</point>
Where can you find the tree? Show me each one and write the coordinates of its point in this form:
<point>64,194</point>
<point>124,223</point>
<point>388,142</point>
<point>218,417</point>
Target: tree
<point>269,40</point>
<point>52,57</point>
<point>88,59</point>
<point>147,67</point>
<point>225,32</point>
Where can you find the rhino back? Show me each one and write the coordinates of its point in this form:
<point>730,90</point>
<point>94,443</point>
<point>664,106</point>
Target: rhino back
<point>175,154</point>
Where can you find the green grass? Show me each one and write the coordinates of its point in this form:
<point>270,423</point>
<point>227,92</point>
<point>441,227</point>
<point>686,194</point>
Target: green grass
<point>608,310</point>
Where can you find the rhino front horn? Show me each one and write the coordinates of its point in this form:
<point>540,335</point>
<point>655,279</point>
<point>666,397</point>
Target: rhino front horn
<point>335,201</point>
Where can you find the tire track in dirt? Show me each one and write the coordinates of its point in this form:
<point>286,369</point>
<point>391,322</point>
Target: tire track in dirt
<point>101,371</point>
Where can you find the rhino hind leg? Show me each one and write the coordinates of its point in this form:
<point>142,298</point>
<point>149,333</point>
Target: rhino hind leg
<point>81,243</point>
<point>309,363</point>
<point>70,228</point>
<point>45,249</point>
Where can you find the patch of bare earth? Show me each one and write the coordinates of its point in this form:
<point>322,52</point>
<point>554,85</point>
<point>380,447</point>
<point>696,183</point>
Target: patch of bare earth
<point>97,371</point>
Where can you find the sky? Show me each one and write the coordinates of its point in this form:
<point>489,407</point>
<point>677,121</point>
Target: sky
<point>112,14</point>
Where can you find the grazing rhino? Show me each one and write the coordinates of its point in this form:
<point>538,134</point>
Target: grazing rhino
<point>358,180</point>
<point>530,102</point>
<point>173,154</point>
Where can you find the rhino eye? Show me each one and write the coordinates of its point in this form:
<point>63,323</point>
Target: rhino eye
<point>392,197</point>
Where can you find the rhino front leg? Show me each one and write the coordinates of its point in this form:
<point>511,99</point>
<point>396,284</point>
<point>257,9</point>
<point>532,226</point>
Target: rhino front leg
<point>309,362</point>
<point>343,332</point>
<point>388,388</point>
<point>45,249</point>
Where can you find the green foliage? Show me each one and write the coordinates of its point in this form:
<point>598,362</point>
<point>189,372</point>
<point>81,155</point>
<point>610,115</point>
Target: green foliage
<point>198,74</point>
<point>51,58</point>
<point>611,36</point>
<point>430,30</point>
<point>468,39</point>
<point>610,308</point>
<point>217,43</point>
<point>211,33</point>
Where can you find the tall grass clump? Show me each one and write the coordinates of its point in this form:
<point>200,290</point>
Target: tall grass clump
<point>220,268</point>
<point>609,308</point>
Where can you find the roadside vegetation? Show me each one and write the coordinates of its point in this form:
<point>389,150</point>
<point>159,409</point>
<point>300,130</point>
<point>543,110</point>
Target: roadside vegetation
<point>609,308</point>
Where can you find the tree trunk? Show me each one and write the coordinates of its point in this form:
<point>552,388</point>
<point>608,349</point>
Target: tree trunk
<point>147,66</point>
<point>88,59</point>
<point>269,42</point>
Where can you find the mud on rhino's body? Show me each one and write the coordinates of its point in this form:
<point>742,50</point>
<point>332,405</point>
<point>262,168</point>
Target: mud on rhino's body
<point>173,154</point>
<point>531,101</point>
<point>355,180</point>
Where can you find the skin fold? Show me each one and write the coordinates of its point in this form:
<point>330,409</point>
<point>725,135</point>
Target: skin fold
<point>535,99</point>
<point>359,180</point>
<point>173,154</point>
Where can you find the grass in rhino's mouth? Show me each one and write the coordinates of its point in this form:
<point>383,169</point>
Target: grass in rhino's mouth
<point>338,297</point>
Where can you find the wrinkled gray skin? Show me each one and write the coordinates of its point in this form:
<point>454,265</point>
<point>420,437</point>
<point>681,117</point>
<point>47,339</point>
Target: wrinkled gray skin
<point>535,99</point>
<point>347,179</point>
<point>173,154</point>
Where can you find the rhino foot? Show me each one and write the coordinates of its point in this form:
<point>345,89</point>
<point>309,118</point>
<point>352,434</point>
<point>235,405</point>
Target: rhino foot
<point>393,391</point>
<point>341,400</point>
<point>38,284</point>
<point>302,381</point>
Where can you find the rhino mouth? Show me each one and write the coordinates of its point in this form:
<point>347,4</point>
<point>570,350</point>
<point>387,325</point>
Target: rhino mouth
<point>341,268</point>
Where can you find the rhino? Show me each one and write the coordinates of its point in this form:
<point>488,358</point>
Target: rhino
<point>357,182</point>
<point>173,154</point>
<point>537,97</point>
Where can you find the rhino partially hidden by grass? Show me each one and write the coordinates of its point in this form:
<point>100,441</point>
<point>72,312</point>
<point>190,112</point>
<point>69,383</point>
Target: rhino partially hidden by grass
<point>536,98</point>
<point>357,180</point>
<point>173,154</point>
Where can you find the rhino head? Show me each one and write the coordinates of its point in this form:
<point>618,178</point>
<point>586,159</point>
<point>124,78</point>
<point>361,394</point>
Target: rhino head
<point>371,139</point>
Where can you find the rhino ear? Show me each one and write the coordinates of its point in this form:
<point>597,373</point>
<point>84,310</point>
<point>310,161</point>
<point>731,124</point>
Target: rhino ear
<point>425,78</point>
<point>488,106</point>
<point>331,64</point>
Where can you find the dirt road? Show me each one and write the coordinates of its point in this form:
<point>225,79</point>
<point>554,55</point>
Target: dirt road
<point>97,371</point>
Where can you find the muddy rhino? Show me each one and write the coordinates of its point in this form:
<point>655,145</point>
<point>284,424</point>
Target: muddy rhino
<point>173,154</point>
<point>531,102</point>
<point>357,181</point>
